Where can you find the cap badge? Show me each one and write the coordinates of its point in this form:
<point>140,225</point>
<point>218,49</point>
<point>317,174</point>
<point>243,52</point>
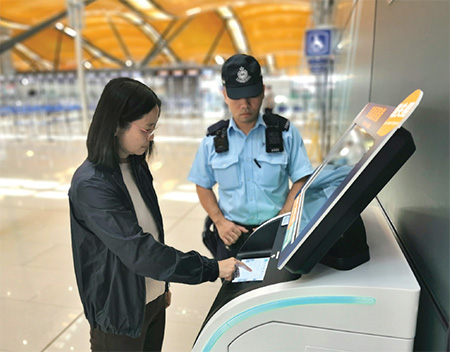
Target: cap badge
<point>242,75</point>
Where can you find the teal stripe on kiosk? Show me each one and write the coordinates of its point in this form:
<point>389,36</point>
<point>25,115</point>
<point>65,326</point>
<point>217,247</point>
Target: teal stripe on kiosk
<point>285,303</point>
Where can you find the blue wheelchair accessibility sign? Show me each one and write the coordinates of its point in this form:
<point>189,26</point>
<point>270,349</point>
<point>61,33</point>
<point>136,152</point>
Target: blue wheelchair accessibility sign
<point>318,42</point>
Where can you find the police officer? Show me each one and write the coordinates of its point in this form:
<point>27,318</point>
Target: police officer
<point>251,157</point>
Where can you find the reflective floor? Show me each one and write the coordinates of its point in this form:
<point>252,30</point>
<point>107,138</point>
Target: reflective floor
<point>40,308</point>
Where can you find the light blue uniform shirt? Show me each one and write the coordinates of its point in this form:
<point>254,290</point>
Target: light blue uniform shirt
<point>253,184</point>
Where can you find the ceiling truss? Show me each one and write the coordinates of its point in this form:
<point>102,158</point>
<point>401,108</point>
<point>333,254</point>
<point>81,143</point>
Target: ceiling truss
<point>146,34</point>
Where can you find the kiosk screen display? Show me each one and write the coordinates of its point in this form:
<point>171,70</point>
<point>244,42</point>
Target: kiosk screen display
<point>350,176</point>
<point>258,266</point>
<point>325,180</point>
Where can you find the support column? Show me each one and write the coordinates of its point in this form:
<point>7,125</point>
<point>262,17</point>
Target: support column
<point>76,14</point>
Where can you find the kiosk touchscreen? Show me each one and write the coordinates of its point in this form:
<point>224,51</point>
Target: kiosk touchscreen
<point>298,303</point>
<point>361,162</point>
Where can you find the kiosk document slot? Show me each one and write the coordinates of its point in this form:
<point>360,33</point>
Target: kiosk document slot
<point>314,285</point>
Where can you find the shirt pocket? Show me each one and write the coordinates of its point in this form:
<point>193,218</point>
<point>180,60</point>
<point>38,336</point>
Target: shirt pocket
<point>273,168</point>
<point>226,171</point>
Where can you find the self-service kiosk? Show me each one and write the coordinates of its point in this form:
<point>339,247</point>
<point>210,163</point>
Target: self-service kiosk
<point>329,276</point>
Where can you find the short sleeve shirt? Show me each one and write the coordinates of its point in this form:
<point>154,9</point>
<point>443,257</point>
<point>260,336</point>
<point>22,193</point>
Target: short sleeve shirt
<point>252,184</point>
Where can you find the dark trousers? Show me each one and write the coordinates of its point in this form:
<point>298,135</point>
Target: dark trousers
<point>151,338</point>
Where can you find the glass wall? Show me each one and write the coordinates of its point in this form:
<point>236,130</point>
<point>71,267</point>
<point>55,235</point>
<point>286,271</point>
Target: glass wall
<point>40,102</point>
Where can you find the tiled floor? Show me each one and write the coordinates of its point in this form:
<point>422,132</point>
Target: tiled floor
<point>39,305</point>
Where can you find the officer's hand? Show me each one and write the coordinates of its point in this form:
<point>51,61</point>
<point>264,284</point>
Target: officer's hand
<point>230,266</point>
<point>229,232</point>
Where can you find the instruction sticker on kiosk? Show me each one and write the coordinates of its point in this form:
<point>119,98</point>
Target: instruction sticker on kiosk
<point>258,266</point>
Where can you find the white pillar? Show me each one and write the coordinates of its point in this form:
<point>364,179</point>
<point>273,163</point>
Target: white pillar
<point>76,13</point>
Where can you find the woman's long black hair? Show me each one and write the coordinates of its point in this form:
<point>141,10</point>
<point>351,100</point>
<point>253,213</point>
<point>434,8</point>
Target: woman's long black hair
<point>123,100</point>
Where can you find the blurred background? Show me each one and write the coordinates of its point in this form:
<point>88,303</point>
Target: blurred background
<point>323,60</point>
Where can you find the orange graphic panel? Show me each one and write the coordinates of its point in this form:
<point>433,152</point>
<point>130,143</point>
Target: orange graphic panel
<point>401,112</point>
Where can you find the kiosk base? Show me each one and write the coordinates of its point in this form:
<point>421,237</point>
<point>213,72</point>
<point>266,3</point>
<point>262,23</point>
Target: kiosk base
<point>372,307</point>
<point>350,250</point>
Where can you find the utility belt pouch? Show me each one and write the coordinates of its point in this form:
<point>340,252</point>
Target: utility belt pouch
<point>212,241</point>
<point>208,236</point>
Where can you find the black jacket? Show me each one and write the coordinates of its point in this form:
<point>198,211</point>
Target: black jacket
<point>112,254</point>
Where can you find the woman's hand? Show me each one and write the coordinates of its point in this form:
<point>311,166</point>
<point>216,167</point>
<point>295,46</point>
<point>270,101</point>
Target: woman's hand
<point>228,268</point>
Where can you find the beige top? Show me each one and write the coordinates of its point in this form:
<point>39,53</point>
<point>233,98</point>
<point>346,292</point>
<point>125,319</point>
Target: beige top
<point>154,288</point>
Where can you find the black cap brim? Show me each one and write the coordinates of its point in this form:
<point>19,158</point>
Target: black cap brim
<point>245,92</point>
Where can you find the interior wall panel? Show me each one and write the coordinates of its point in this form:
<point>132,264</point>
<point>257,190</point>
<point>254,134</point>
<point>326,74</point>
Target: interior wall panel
<point>397,47</point>
<point>411,51</point>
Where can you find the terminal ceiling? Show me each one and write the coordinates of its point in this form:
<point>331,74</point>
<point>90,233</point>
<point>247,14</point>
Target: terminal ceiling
<point>37,35</point>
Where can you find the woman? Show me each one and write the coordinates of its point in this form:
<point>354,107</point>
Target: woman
<point>121,263</point>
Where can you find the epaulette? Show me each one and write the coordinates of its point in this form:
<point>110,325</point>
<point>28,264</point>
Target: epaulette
<point>276,121</point>
<point>218,126</point>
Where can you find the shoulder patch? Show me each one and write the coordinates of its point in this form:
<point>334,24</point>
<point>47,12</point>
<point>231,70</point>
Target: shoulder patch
<point>276,121</point>
<point>218,126</point>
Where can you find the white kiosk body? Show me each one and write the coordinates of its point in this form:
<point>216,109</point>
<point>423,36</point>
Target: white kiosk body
<point>300,304</point>
<point>372,307</point>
